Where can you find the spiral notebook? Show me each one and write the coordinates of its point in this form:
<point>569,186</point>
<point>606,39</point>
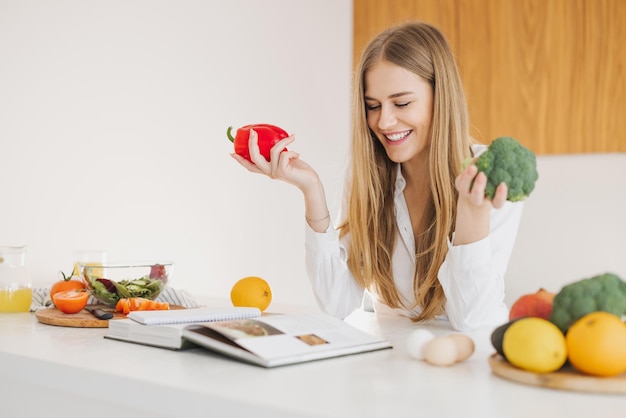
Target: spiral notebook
<point>188,316</point>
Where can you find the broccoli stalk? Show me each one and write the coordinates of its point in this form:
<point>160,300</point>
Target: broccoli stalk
<point>506,160</point>
<point>605,292</point>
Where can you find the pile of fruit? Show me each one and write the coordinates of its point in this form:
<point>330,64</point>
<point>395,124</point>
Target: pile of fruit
<point>581,326</point>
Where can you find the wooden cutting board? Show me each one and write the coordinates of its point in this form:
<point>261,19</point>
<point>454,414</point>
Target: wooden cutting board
<point>82,319</point>
<point>566,379</point>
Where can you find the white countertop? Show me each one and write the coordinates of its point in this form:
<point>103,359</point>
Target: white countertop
<point>47,369</point>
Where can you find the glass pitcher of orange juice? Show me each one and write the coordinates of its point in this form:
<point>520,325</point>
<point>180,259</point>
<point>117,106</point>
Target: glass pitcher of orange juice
<point>16,294</point>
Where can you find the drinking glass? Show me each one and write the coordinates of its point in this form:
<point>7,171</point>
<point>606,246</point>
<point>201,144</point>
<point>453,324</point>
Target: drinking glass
<point>89,258</point>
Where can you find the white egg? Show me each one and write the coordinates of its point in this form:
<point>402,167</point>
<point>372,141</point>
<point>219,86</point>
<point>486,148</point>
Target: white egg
<point>464,345</point>
<point>416,340</point>
<point>441,351</point>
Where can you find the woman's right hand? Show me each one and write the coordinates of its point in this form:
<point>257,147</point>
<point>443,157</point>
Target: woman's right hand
<point>287,166</point>
<point>283,165</point>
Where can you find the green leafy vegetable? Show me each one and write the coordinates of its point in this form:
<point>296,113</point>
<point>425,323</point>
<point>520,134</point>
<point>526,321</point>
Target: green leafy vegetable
<point>605,292</point>
<point>506,160</point>
<point>109,291</point>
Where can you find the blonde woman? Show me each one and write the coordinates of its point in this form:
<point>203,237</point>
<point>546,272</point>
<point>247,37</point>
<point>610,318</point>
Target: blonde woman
<point>416,231</point>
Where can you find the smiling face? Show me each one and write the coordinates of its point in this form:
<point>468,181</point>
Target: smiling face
<point>399,108</point>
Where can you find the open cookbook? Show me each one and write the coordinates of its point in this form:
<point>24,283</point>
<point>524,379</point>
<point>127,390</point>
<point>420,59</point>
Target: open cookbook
<point>267,340</point>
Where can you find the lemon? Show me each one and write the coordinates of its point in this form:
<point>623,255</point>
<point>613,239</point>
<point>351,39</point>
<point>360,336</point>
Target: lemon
<point>252,292</point>
<point>535,344</point>
<point>596,344</point>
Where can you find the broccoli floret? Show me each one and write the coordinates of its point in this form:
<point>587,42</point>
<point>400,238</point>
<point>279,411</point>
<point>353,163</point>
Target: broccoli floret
<point>506,160</point>
<point>605,292</point>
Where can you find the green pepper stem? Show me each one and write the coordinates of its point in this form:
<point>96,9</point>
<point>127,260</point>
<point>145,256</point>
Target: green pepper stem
<point>230,128</point>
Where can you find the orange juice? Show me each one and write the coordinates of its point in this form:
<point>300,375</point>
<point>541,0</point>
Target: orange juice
<point>89,258</point>
<point>18,300</point>
<point>95,273</point>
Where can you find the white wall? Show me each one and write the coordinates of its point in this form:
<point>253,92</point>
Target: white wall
<point>112,130</point>
<point>112,123</point>
<point>573,226</point>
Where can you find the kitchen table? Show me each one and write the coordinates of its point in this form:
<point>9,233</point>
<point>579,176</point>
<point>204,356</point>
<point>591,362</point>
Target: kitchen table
<point>75,372</point>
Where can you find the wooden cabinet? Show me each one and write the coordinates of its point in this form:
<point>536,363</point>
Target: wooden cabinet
<point>551,73</point>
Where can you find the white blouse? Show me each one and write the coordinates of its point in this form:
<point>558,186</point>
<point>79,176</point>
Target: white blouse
<point>472,275</point>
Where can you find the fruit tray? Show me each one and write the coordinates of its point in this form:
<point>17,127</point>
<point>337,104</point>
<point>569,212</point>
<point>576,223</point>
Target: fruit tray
<point>565,379</point>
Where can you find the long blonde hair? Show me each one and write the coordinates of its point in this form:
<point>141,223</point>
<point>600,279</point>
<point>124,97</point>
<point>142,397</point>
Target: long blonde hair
<point>371,222</point>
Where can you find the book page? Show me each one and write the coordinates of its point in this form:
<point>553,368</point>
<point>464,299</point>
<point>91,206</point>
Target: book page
<point>281,336</point>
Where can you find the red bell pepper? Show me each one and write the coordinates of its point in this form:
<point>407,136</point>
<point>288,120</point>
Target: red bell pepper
<point>268,135</point>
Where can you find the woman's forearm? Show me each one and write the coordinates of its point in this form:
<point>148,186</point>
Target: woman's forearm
<point>315,207</point>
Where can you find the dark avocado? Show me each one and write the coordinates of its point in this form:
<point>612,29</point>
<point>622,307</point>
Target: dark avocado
<point>498,335</point>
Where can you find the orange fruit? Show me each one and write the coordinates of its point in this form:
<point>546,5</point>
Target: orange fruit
<point>251,291</point>
<point>71,301</point>
<point>596,344</point>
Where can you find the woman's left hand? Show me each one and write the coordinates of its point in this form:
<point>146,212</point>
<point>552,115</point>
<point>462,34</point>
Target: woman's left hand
<point>473,208</point>
<point>475,193</point>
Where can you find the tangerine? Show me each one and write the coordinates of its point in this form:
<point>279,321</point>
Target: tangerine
<point>251,291</point>
<point>596,344</point>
